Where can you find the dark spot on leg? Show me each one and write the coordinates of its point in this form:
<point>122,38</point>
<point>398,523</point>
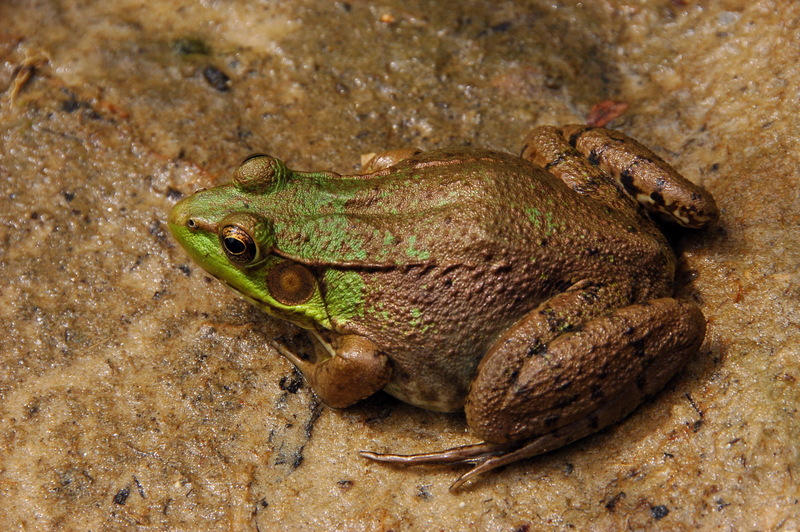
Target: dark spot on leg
<point>626,178</point>
<point>567,402</point>
<point>555,162</point>
<point>551,420</point>
<point>641,381</point>
<point>597,154</point>
<point>573,139</point>
<point>536,349</point>
<point>591,294</point>
<point>594,421</point>
<point>554,323</point>
<point>597,392</point>
<point>657,198</point>
<point>638,348</point>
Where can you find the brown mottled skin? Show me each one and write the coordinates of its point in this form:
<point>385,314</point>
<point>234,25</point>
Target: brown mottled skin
<point>533,292</point>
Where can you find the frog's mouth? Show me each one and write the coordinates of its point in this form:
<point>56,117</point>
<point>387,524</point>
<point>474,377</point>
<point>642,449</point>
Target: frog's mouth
<point>294,316</point>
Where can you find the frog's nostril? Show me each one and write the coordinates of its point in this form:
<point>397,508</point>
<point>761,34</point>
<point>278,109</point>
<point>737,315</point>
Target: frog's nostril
<point>191,223</point>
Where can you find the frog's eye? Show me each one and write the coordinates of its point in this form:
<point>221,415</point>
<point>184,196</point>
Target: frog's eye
<point>260,174</point>
<point>238,245</point>
<point>246,238</point>
<point>291,283</point>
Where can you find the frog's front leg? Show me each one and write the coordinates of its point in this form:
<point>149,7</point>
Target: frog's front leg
<point>356,370</point>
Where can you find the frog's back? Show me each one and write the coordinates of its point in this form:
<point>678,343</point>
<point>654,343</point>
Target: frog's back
<point>477,239</point>
<point>444,206</point>
<point>454,207</point>
<point>462,205</point>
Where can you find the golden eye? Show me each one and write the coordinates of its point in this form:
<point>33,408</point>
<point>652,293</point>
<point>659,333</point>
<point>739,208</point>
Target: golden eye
<point>290,283</point>
<point>238,245</point>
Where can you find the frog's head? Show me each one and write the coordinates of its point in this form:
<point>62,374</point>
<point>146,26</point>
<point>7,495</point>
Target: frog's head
<point>226,230</point>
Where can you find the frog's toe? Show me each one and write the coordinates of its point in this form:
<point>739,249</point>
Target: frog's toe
<point>456,455</point>
<point>483,456</point>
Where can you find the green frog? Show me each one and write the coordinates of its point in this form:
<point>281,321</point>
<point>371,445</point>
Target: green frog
<point>533,293</point>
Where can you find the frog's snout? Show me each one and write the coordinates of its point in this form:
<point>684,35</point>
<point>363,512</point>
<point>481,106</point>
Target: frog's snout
<point>179,216</point>
<point>185,218</point>
<point>191,213</point>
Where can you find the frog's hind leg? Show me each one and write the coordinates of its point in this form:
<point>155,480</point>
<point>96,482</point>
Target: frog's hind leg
<point>546,146</point>
<point>533,394</point>
<point>583,381</point>
<point>564,311</point>
<point>581,151</point>
<point>631,351</point>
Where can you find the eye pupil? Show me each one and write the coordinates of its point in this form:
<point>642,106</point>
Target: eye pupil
<point>238,245</point>
<point>234,246</point>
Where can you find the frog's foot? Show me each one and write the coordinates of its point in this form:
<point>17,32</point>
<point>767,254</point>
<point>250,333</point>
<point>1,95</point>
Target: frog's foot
<point>485,457</point>
<point>488,456</point>
<point>356,370</point>
<point>465,454</point>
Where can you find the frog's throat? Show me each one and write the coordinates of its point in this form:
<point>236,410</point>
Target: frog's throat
<point>297,318</point>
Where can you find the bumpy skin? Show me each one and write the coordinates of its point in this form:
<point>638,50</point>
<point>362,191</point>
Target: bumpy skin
<point>532,289</point>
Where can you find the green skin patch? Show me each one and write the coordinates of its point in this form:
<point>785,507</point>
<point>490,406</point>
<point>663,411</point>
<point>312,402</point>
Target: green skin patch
<point>250,281</point>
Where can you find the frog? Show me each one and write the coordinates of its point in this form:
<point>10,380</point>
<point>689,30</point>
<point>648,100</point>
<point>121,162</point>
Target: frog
<point>533,293</point>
